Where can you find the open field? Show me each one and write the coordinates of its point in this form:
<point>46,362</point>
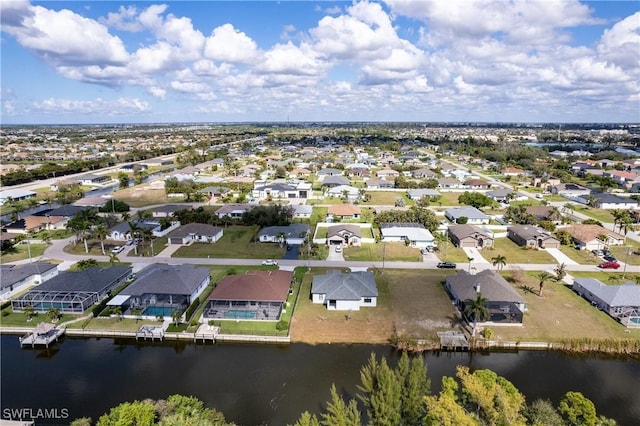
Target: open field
<point>448,199</point>
<point>560,314</point>
<point>409,302</point>
<point>515,254</point>
<point>21,252</point>
<point>235,243</point>
<point>387,198</point>
<point>379,252</point>
<point>115,324</point>
<point>598,214</point>
<point>143,195</point>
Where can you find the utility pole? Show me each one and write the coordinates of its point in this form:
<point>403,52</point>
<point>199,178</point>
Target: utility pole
<point>626,259</point>
<point>384,249</point>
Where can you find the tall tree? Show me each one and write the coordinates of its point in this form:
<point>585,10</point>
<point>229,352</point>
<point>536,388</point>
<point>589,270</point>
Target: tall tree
<point>101,233</point>
<point>381,392</point>
<point>476,309</point>
<point>543,277</point>
<point>577,410</point>
<point>499,261</point>
<point>339,413</point>
<point>415,386</point>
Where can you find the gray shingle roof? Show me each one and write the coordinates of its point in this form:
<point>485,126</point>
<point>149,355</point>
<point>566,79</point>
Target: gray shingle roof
<point>167,279</point>
<point>195,228</point>
<point>11,274</point>
<point>91,280</point>
<point>295,230</point>
<point>464,231</point>
<point>627,294</point>
<point>493,287</point>
<point>352,286</point>
<point>468,212</point>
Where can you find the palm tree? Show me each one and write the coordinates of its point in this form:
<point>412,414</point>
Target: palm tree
<point>561,271</point>
<point>469,259</point>
<point>29,311</point>
<point>137,312</point>
<point>117,311</point>
<point>543,277</point>
<point>134,231</point>
<point>175,316</point>
<point>617,217</point>
<point>101,233</point>
<point>499,261</point>
<point>53,314</point>
<point>476,309</point>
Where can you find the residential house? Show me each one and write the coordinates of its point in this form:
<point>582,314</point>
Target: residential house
<point>344,234</point>
<point>216,191</point>
<point>412,234</point>
<point>15,279</point>
<point>73,292</point>
<point>420,193</point>
<point>324,173</point>
<point>122,231</point>
<point>256,295</point>
<point>195,233</point>
<point>300,173</point>
<point>379,184</point>
<point>234,211</point>
<point>333,181</point>
<point>35,223</point>
<point>512,171</point>
<point>345,292</point>
<point>570,190</point>
<point>469,236</point>
<point>473,215</point>
<point>424,173</point>
<point>15,195</point>
<point>503,195</point>
<point>551,214</point>
<point>622,302</point>
<point>352,193</point>
<point>293,234</point>
<point>159,290</point>
<point>532,236</point>
<point>593,237</point>
<point>449,183</point>
<point>344,211</point>
<point>302,211</point>
<point>607,201</point>
<point>93,180</point>
<point>274,190</point>
<point>387,174</point>
<point>476,184</point>
<point>544,182</point>
<point>360,171</point>
<point>504,305</point>
<point>168,210</point>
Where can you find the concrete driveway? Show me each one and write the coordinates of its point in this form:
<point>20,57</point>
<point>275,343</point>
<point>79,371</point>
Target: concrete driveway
<point>333,255</point>
<point>478,262</point>
<point>560,256</point>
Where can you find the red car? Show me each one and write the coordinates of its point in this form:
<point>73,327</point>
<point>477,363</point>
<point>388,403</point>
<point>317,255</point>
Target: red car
<point>609,265</point>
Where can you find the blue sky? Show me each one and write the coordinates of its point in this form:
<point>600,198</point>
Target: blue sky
<point>394,60</point>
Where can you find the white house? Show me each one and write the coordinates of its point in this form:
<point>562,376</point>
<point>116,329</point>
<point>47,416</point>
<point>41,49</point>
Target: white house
<point>302,211</point>
<point>15,279</point>
<point>195,233</point>
<point>15,195</point>
<point>413,234</point>
<point>345,292</point>
<point>473,215</point>
<point>293,234</point>
<point>622,302</point>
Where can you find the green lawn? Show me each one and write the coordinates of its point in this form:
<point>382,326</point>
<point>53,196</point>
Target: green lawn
<point>18,319</point>
<point>95,248</point>
<point>630,254</point>
<point>584,257</point>
<point>607,277</point>
<point>21,252</point>
<point>159,244</point>
<point>598,214</point>
<point>236,242</point>
<point>387,198</point>
<point>452,253</point>
<point>390,251</point>
<point>448,199</point>
<point>318,214</point>
<point>515,254</point>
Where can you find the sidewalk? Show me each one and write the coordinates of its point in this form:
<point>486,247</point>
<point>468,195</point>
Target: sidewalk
<point>478,263</point>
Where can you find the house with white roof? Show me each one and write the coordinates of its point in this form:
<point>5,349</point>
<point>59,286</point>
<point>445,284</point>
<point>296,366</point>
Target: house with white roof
<point>473,215</point>
<point>412,234</point>
<point>621,302</point>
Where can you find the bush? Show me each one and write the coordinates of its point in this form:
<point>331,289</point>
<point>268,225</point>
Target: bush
<point>282,325</point>
<point>191,309</point>
<point>487,333</point>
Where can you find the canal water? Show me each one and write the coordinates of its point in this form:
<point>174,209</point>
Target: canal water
<point>273,384</point>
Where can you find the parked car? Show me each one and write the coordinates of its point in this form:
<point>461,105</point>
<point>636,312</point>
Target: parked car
<point>446,265</point>
<point>269,262</point>
<point>609,258</point>
<point>117,250</point>
<point>609,265</point>
<point>339,249</point>
<point>598,252</point>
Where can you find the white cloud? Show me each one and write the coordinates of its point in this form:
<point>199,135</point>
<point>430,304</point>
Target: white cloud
<point>621,43</point>
<point>124,20</point>
<point>99,106</point>
<point>189,86</point>
<point>226,44</point>
<point>158,92</point>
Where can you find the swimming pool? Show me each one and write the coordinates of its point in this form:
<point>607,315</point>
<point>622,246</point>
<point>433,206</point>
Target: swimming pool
<point>155,311</point>
<point>635,320</point>
<point>233,314</point>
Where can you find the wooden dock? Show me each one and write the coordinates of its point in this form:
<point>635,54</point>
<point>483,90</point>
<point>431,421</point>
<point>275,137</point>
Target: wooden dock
<point>43,335</point>
<point>453,341</point>
<point>152,332</point>
<point>206,333</point>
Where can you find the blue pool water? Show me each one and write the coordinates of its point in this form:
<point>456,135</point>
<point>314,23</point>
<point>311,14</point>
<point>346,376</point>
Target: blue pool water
<point>232,314</point>
<point>635,320</point>
<point>158,310</point>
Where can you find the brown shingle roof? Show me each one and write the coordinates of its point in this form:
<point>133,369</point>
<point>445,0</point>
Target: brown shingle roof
<point>270,286</point>
<point>344,210</point>
<point>590,232</point>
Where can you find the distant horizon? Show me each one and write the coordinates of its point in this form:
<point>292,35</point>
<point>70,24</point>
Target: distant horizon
<point>479,61</point>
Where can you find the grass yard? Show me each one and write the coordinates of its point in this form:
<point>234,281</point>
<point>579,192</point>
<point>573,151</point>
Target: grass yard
<point>318,214</point>
<point>236,242</point>
<point>598,214</point>
<point>111,324</point>
<point>144,195</point>
<point>452,253</point>
<point>95,249</point>
<point>21,252</point>
<point>9,318</point>
<point>159,244</point>
<point>375,252</point>
<point>620,253</point>
<point>609,278</point>
<point>560,314</point>
<point>584,257</point>
<point>409,303</point>
<point>387,198</point>
<point>448,199</point>
<point>516,254</point>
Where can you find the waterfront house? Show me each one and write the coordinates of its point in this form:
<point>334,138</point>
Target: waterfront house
<point>531,236</point>
<point>195,233</point>
<point>161,289</point>
<point>255,295</point>
<point>412,234</point>
<point>15,279</point>
<point>342,292</point>
<point>622,302</point>
<point>73,291</point>
<point>505,305</point>
<point>469,236</point>
<point>18,194</point>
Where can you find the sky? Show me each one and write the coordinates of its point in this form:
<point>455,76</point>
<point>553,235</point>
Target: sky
<point>77,62</point>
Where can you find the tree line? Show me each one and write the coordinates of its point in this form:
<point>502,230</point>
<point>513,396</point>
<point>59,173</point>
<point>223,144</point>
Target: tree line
<point>390,397</point>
